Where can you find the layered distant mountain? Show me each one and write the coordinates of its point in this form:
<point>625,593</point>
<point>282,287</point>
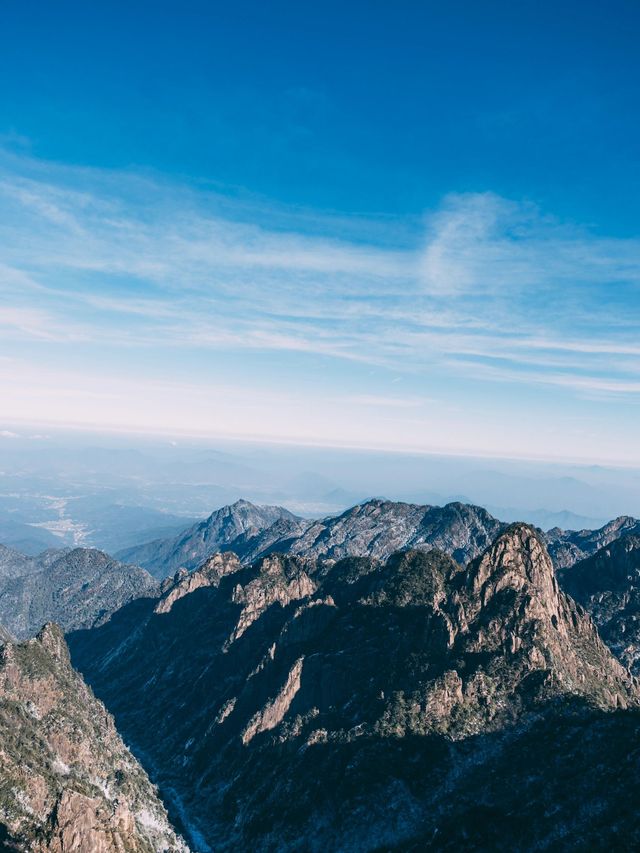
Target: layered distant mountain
<point>226,529</point>
<point>375,528</point>
<point>26,538</point>
<point>569,546</point>
<point>75,588</point>
<point>400,702</point>
<point>68,783</point>
<point>378,528</point>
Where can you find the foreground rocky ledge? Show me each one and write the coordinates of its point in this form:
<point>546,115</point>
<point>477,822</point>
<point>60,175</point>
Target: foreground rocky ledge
<point>67,781</point>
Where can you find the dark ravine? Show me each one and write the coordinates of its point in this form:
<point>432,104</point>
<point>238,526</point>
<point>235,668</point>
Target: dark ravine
<point>367,704</point>
<point>67,781</point>
<point>608,587</point>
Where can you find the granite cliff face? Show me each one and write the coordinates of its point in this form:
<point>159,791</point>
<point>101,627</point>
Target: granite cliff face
<point>76,589</point>
<point>309,703</point>
<point>226,529</point>
<point>67,781</point>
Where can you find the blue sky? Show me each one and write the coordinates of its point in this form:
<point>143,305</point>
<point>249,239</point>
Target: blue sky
<point>408,225</point>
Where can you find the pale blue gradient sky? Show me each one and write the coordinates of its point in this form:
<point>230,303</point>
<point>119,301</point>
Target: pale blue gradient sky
<point>478,298</point>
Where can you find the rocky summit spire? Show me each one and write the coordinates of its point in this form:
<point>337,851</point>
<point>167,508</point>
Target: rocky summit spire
<point>510,604</point>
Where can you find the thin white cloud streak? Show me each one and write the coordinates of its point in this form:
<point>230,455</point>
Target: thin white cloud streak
<point>376,401</point>
<point>86,236</point>
<point>39,325</point>
<point>600,384</point>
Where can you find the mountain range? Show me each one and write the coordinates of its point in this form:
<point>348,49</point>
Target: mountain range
<point>607,585</point>
<point>368,703</point>
<point>398,677</point>
<point>374,528</point>
<point>228,528</point>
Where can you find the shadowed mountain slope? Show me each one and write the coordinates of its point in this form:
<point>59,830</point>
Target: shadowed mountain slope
<point>76,589</point>
<point>608,587</point>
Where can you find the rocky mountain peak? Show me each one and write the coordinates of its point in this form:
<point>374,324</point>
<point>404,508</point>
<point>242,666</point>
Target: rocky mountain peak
<point>51,637</point>
<point>568,547</point>
<point>75,588</point>
<point>511,602</point>
<point>622,522</point>
<point>230,528</point>
<point>243,516</point>
<point>277,579</point>
<point>517,559</point>
<point>614,568</point>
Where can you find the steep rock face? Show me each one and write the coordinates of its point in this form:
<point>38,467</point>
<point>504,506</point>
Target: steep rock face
<point>607,585</point>
<point>378,528</point>
<point>280,580</point>
<point>67,781</point>
<point>511,598</point>
<point>305,704</point>
<point>6,636</point>
<point>207,632</point>
<point>224,530</point>
<point>75,588</point>
<point>184,582</point>
<point>569,546</point>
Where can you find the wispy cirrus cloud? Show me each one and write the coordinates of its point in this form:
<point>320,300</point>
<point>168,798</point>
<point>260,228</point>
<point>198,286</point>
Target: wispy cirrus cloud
<point>488,291</point>
<point>482,243</point>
